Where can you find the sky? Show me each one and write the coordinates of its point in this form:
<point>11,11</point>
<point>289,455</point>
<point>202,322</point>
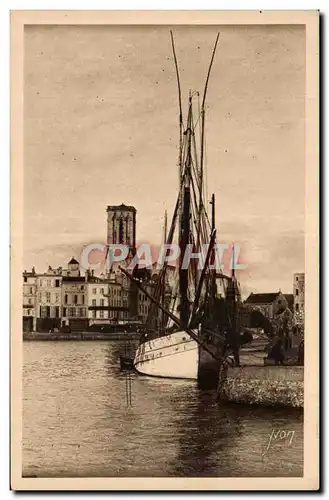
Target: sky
<point>101,128</point>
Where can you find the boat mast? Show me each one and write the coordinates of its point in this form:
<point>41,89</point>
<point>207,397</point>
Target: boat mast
<point>235,331</point>
<point>185,195</point>
<point>181,124</point>
<point>212,203</point>
<point>201,174</point>
<point>184,235</point>
<point>165,227</point>
<point>163,317</point>
<point>185,179</point>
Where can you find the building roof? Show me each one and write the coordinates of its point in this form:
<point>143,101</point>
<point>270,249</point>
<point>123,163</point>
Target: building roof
<point>95,279</point>
<point>127,208</point>
<point>290,300</point>
<point>73,261</point>
<point>261,298</point>
<point>74,278</point>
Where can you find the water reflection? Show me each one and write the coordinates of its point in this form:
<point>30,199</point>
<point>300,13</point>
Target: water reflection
<point>76,422</point>
<point>204,432</point>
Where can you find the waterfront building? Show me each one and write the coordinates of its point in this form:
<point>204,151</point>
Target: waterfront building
<point>144,303</point>
<point>48,300</point>
<point>107,299</point>
<point>73,293</point>
<point>299,298</point>
<point>29,300</point>
<point>63,299</point>
<point>268,303</point>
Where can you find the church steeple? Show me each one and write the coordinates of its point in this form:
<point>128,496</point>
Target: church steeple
<point>121,225</point>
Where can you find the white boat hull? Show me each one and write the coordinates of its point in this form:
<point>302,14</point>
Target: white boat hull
<point>171,356</point>
<point>178,356</point>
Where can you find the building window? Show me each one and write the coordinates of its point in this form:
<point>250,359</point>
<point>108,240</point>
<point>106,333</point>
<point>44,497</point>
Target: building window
<point>297,307</point>
<point>31,290</point>
<point>93,302</point>
<point>57,283</point>
<point>64,312</point>
<point>102,302</point>
<point>48,283</point>
<point>75,299</point>
<point>56,312</point>
<point>82,287</point>
<point>296,291</point>
<point>57,297</point>
<point>48,296</point>
<point>296,278</point>
<point>65,299</point>
<point>82,299</point>
<point>102,291</point>
<point>101,314</point>
<point>73,311</point>
<point>93,313</point>
<point>25,279</point>
<point>94,291</point>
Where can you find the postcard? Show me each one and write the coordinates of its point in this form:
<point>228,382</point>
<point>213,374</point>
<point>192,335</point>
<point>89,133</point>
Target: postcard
<point>164,250</point>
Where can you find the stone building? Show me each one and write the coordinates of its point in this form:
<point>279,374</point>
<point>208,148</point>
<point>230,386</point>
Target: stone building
<point>268,303</point>
<point>48,300</point>
<point>73,294</point>
<point>299,298</point>
<point>121,225</point>
<point>107,299</point>
<point>144,303</point>
<point>29,300</point>
<point>63,299</point>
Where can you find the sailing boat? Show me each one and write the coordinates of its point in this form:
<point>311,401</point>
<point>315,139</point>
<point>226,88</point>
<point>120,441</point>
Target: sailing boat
<point>188,327</point>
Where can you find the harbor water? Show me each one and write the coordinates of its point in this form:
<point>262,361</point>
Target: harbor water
<point>76,422</point>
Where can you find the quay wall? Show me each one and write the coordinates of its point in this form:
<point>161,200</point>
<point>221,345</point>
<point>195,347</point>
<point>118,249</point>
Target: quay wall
<point>263,385</point>
<point>30,336</point>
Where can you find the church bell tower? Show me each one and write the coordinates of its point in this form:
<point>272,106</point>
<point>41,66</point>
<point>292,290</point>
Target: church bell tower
<point>121,226</point>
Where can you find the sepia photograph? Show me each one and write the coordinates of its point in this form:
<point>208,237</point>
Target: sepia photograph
<point>164,250</point>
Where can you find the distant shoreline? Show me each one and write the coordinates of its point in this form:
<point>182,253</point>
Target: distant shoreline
<point>78,336</point>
